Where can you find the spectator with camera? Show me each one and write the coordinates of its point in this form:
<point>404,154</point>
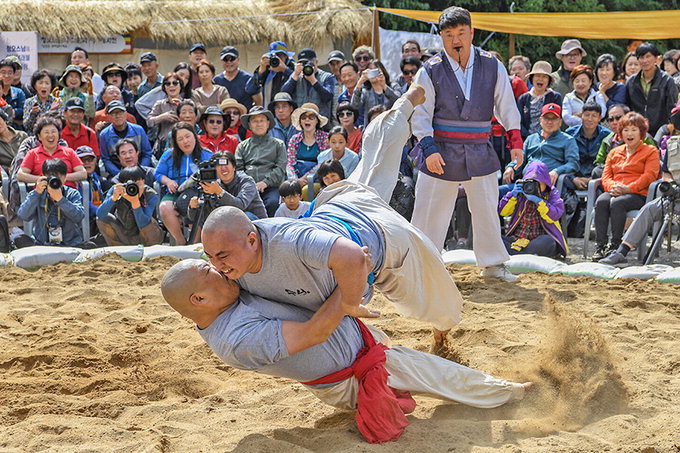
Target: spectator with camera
<point>309,84</point>
<point>127,151</point>
<point>283,106</point>
<point>373,88</point>
<point>225,186</point>
<point>48,130</point>
<point>651,212</point>
<point>535,208</point>
<point>176,166</point>
<point>216,124</point>
<point>55,209</point>
<point>275,68</point>
<point>628,172</point>
<point>120,128</point>
<point>126,215</point>
<point>262,157</point>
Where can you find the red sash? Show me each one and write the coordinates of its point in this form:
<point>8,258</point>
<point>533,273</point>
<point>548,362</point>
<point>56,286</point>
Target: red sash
<point>380,409</point>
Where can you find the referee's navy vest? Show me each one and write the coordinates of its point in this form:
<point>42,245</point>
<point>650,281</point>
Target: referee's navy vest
<point>456,120</point>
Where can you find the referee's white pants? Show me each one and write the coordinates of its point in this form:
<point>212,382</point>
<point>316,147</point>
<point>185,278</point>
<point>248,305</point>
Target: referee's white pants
<point>436,201</point>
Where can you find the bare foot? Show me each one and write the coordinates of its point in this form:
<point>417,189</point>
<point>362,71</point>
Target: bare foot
<point>415,94</point>
<point>440,343</point>
<point>522,390</point>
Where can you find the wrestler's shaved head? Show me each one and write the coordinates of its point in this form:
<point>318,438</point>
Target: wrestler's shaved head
<point>179,283</point>
<point>232,242</point>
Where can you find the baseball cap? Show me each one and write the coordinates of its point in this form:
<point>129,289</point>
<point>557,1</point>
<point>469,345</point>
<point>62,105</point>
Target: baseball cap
<point>551,108</point>
<point>74,103</point>
<point>15,61</point>
<point>306,55</point>
<point>115,105</point>
<point>197,46</point>
<point>336,55</point>
<point>85,150</point>
<point>147,56</point>
<point>228,50</point>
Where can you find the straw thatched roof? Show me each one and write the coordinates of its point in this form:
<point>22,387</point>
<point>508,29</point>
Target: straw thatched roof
<point>186,21</point>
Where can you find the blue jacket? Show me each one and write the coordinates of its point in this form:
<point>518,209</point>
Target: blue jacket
<point>282,134</point>
<point>107,147</point>
<point>143,214</point>
<point>67,213</point>
<point>321,93</point>
<point>524,107</point>
<point>559,152</point>
<point>187,166</point>
<point>95,186</point>
<point>587,147</point>
<point>16,98</point>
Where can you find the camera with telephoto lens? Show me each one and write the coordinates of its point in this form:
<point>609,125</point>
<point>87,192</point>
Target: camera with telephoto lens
<point>274,61</point>
<point>54,182</point>
<point>669,190</point>
<point>531,187</point>
<point>131,188</point>
<point>308,68</point>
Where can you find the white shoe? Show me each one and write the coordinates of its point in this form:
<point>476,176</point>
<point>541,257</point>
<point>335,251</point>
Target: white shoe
<point>500,272</point>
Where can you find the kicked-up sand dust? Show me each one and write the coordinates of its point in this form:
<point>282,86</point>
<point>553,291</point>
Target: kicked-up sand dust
<point>92,359</point>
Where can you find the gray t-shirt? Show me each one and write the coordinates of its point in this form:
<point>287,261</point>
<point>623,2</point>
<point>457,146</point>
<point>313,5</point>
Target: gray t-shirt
<point>283,210</point>
<point>248,336</point>
<point>295,254</point>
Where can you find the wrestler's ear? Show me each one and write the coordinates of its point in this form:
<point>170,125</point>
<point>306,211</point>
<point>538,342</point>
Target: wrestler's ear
<point>196,299</point>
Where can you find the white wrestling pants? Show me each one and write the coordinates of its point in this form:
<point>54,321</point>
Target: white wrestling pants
<point>430,375</point>
<point>436,200</point>
<point>413,277</point>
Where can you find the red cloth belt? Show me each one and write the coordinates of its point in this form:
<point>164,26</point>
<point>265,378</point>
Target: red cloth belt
<point>380,409</point>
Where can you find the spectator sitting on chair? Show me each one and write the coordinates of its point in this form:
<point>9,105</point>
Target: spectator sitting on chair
<point>215,124</point>
<point>348,118</point>
<point>337,140</point>
<point>262,157</point>
<point>589,136</point>
<point>175,166</point>
<point>292,205</point>
<point>535,223</point>
<point>10,140</point>
<point>126,215</point>
<point>75,132</point>
<point>128,154</point>
<point>48,130</point>
<point>43,82</point>
<point>121,128</point>
<point>531,103</point>
<point>583,79</point>
<point>55,209</point>
<point>74,82</point>
<point>637,232</point>
<point>551,146</point>
<point>101,117</point>
<point>97,192</point>
<point>283,106</point>
<point>233,188</point>
<point>628,172</point>
<point>329,172</point>
<point>304,147</point>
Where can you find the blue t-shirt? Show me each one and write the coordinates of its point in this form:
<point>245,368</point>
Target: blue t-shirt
<point>248,336</point>
<point>241,88</point>
<point>295,254</point>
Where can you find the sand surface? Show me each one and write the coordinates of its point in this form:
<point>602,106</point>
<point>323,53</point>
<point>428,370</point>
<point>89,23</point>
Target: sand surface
<point>91,359</point>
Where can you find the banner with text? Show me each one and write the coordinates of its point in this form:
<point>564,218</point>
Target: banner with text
<point>113,44</point>
<point>23,44</point>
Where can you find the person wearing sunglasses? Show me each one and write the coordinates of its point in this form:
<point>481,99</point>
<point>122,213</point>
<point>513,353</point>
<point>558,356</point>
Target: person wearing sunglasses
<point>409,66</point>
<point>347,117</point>
<point>238,82</point>
<point>164,112</point>
<point>362,56</point>
<point>215,124</point>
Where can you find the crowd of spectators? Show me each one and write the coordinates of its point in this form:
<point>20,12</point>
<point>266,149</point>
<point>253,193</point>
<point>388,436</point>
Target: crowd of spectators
<point>292,122</point>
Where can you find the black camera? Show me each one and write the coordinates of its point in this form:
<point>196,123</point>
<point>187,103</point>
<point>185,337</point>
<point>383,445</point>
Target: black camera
<point>308,69</point>
<point>274,61</point>
<point>669,190</point>
<point>54,182</point>
<point>531,187</point>
<point>131,188</point>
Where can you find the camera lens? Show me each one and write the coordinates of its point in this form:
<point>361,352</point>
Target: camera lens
<point>131,189</point>
<point>530,187</point>
<point>54,182</point>
<point>308,69</point>
<point>274,62</point>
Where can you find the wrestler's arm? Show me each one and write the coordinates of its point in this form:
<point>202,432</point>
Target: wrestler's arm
<point>347,260</point>
<point>505,110</point>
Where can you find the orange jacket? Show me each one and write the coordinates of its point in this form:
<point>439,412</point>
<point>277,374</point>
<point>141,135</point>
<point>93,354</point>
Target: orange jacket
<point>637,171</point>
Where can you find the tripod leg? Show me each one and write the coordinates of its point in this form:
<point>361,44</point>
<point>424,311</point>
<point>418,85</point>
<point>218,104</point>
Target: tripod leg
<point>657,241</point>
<point>195,226</point>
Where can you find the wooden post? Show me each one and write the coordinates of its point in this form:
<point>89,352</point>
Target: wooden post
<point>511,46</point>
<point>376,33</point>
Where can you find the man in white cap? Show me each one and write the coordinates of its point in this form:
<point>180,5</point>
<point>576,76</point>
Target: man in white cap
<point>570,54</point>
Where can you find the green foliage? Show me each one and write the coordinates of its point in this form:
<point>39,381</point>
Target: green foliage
<point>534,47</point>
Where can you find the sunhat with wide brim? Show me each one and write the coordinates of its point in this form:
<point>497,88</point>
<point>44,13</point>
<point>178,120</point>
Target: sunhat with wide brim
<point>307,108</point>
<point>541,67</point>
<point>257,110</point>
<point>72,68</point>
<point>215,110</point>
<point>232,103</point>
